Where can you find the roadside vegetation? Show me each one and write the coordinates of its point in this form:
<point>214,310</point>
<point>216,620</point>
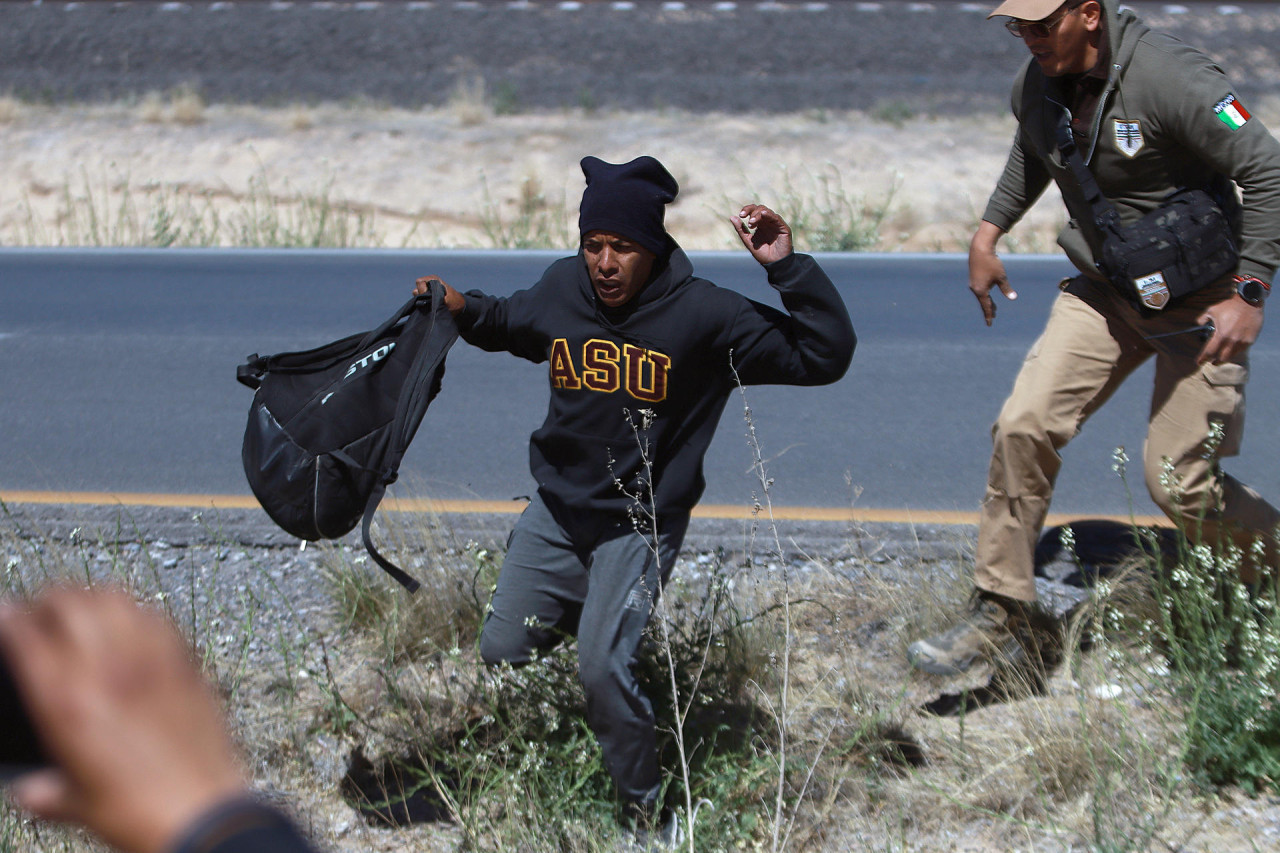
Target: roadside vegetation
<point>790,720</point>
<point>168,170</point>
<point>115,211</point>
<point>118,211</point>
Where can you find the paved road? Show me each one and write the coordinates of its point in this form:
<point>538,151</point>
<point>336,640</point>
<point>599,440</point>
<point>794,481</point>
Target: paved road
<point>900,59</point>
<point>116,374</point>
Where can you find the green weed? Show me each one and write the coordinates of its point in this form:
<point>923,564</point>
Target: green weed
<point>1219,637</point>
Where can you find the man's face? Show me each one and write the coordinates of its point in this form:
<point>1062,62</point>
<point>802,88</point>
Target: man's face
<point>1071,47</point>
<point>618,267</point>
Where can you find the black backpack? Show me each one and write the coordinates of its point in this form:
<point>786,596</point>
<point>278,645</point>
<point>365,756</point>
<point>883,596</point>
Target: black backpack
<point>329,426</point>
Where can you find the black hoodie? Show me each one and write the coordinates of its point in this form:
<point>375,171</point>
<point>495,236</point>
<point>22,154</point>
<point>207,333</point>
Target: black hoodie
<point>666,352</point>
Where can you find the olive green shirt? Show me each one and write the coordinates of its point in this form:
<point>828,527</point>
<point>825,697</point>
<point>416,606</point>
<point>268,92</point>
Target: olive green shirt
<point>1161,123</point>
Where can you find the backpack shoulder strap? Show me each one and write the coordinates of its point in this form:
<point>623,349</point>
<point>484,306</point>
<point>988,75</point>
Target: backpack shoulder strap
<point>402,577</point>
<point>423,382</point>
<point>421,385</point>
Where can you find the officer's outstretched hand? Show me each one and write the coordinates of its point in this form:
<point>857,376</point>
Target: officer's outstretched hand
<point>1236,325</point>
<point>986,270</point>
<point>765,234</point>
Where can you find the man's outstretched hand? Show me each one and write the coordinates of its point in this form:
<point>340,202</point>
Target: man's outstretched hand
<point>986,270</point>
<point>453,300</point>
<point>765,234</point>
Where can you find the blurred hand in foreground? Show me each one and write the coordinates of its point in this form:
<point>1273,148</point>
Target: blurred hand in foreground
<point>137,738</point>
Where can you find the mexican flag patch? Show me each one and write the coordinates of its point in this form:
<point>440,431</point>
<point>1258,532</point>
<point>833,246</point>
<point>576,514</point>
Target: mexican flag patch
<point>1231,111</point>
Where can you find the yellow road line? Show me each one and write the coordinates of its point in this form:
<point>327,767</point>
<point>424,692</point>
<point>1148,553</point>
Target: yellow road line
<point>721,511</point>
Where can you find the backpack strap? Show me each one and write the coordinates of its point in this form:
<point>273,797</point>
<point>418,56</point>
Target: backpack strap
<point>1105,215</point>
<point>423,381</point>
<point>402,577</point>
<point>375,497</point>
<point>414,303</point>
<point>421,385</point>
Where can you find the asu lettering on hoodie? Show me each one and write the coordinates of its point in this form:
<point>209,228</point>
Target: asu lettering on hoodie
<point>603,366</point>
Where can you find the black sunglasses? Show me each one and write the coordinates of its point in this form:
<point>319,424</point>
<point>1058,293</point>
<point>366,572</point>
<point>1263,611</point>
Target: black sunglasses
<point>1036,29</point>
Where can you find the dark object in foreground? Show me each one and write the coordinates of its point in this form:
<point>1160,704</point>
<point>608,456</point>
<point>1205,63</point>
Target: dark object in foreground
<point>1204,331</point>
<point>398,791</point>
<point>1100,548</point>
<point>20,749</point>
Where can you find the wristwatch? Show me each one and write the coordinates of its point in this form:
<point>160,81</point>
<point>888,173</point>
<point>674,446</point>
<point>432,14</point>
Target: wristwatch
<point>1252,290</point>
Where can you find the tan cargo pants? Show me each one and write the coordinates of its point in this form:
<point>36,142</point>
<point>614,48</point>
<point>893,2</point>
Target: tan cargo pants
<point>1093,340</point>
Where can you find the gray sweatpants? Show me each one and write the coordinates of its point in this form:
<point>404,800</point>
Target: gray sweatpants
<point>600,582</point>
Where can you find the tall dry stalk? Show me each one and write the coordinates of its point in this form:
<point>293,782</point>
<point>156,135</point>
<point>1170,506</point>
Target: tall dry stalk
<point>644,516</point>
<point>763,503</point>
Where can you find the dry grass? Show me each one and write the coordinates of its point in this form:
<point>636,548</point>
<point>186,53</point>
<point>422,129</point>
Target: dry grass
<point>440,177</point>
<point>183,106</point>
<point>1093,763</point>
<point>113,209</point>
<point>446,612</point>
<point>10,109</point>
<point>299,118</point>
<point>151,108</point>
<point>469,101</point>
<point>186,105</point>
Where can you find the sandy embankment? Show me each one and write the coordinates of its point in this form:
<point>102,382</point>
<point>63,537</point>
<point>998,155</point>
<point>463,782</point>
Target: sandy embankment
<point>428,177</point>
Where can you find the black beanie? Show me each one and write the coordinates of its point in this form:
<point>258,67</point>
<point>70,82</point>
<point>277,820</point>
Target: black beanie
<point>628,200</point>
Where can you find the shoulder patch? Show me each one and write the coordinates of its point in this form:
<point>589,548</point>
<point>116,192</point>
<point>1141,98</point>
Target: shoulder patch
<point>1231,112</point>
<point>1128,136</point>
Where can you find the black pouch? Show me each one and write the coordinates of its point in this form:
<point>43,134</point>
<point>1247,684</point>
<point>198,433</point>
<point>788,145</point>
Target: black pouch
<point>1183,245</point>
<point>1180,247</point>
